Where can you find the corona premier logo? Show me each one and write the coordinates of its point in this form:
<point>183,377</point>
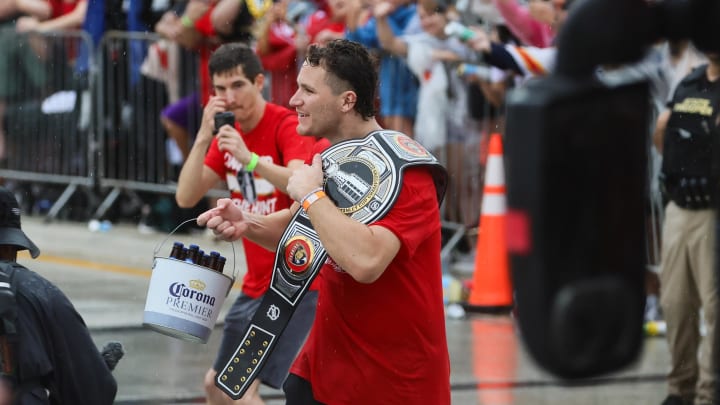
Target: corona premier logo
<point>180,290</point>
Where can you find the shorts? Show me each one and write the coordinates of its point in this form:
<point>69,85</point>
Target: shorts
<point>186,112</point>
<point>277,366</point>
<point>298,391</point>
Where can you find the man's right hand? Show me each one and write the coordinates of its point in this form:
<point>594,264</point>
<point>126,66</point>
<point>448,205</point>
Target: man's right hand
<point>207,126</point>
<point>226,220</point>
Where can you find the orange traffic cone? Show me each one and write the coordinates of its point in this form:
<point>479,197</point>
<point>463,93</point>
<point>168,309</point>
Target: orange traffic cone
<point>492,290</point>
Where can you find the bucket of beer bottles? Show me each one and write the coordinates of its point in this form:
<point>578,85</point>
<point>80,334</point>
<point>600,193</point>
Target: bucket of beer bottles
<point>187,291</point>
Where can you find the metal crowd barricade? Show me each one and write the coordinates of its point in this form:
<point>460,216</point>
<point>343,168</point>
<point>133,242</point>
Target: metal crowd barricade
<point>131,141</point>
<point>48,130</point>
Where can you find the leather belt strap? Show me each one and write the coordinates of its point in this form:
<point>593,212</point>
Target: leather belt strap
<point>363,177</point>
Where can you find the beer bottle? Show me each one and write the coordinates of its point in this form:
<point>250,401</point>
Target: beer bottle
<point>192,254</point>
<point>205,261</point>
<point>213,262</point>
<point>176,250</point>
<point>220,264</point>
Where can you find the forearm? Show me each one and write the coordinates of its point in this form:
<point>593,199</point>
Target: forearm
<point>388,40</point>
<point>276,174</point>
<point>188,191</point>
<point>266,230</point>
<point>224,14</point>
<point>262,44</point>
<point>357,248</point>
<point>36,8</point>
<point>72,20</point>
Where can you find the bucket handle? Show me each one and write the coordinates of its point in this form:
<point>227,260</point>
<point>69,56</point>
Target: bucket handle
<point>162,243</point>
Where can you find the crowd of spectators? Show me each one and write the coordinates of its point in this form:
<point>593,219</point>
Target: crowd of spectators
<point>447,91</point>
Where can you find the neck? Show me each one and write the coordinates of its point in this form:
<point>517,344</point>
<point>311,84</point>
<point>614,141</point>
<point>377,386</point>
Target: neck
<point>355,129</point>
<point>250,123</point>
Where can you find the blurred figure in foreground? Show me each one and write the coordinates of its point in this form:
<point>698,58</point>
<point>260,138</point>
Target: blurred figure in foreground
<point>47,356</point>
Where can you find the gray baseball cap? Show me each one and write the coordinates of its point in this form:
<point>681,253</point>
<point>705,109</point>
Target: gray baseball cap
<point>10,231</point>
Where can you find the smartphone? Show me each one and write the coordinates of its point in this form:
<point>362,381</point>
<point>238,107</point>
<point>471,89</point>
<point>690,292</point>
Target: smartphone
<point>223,118</point>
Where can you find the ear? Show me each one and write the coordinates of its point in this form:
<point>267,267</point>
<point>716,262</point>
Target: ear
<point>260,81</point>
<point>349,98</point>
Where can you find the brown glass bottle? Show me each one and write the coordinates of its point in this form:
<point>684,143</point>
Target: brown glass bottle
<point>176,251</point>
<point>220,264</point>
<point>213,264</point>
<point>192,254</point>
<point>205,261</point>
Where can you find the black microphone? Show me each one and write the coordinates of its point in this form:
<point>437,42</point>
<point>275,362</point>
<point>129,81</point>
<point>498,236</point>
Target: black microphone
<point>112,352</point>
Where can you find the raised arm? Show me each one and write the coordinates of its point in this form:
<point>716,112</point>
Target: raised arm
<point>388,40</point>
<point>224,14</point>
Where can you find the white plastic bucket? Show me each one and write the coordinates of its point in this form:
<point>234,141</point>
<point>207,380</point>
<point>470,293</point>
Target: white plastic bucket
<point>184,299</point>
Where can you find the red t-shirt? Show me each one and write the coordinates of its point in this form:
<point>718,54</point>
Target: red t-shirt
<point>385,342</point>
<point>275,138</point>
<point>321,20</point>
<point>60,8</point>
<point>281,61</point>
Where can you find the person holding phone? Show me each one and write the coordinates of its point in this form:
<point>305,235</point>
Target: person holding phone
<point>253,146</point>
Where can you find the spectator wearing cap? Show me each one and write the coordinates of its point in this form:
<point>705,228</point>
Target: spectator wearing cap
<point>53,359</point>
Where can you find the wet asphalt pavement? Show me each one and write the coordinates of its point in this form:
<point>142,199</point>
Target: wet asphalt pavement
<point>106,275</point>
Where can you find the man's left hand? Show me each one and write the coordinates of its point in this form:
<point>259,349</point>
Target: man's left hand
<point>305,179</point>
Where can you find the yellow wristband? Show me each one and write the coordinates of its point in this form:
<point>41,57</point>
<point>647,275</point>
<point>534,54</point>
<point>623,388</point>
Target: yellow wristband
<point>186,22</point>
<point>310,199</point>
<point>252,164</point>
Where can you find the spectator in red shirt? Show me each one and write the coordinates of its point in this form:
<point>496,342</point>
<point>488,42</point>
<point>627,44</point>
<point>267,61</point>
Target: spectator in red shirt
<point>324,26</point>
<point>277,46</point>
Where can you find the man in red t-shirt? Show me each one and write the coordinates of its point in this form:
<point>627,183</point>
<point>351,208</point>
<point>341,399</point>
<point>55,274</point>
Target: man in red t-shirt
<point>255,158</point>
<point>379,331</point>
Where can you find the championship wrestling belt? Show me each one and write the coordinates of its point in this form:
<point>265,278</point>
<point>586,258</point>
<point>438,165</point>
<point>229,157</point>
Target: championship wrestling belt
<point>363,177</point>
